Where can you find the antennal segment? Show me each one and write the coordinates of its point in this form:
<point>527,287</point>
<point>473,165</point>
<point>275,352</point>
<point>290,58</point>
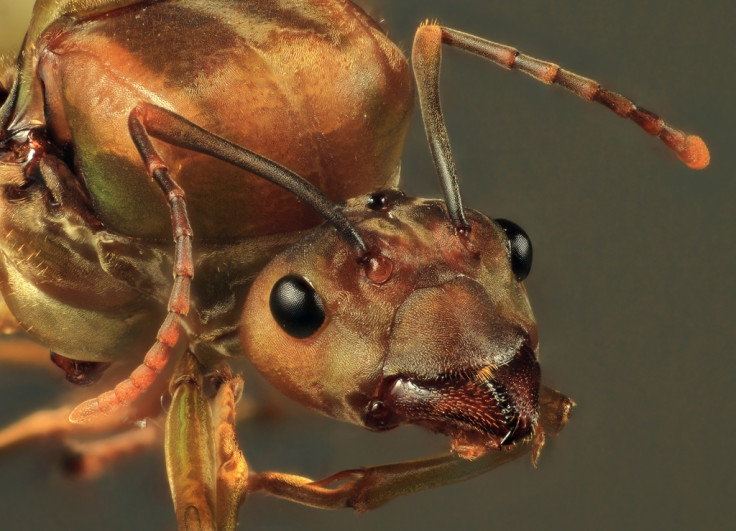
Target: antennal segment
<point>689,148</point>
<point>426,60</point>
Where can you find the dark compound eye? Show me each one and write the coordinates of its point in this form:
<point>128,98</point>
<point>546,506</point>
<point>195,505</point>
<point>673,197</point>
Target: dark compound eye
<point>296,307</point>
<point>385,200</point>
<point>377,201</point>
<point>521,248</point>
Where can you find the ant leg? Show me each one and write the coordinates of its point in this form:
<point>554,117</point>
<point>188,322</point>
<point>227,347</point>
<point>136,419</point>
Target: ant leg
<point>88,459</point>
<point>368,488</point>
<point>426,58</point>
<point>37,425</point>
<point>189,448</point>
<point>82,460</point>
<point>232,469</point>
<point>168,334</point>
<point>51,423</point>
<point>207,472</point>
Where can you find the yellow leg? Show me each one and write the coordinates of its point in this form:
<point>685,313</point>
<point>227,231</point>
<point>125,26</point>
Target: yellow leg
<point>89,459</point>
<point>232,472</point>
<point>189,449</point>
<point>207,471</point>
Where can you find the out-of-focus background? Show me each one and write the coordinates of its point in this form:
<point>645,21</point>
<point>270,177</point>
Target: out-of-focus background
<point>633,287</point>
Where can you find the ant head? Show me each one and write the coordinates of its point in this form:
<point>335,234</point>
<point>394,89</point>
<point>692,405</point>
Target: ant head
<point>431,326</point>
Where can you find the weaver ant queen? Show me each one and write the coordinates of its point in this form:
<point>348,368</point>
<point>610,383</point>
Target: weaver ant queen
<point>397,310</point>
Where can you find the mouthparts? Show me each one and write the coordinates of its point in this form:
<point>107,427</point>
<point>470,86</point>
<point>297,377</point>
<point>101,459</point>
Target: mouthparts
<point>482,409</point>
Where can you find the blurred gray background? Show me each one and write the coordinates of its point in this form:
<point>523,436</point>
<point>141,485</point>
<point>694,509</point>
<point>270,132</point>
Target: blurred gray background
<point>633,287</point>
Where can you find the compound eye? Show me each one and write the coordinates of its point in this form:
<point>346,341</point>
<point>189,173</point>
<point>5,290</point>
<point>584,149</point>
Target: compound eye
<point>521,248</point>
<point>296,307</point>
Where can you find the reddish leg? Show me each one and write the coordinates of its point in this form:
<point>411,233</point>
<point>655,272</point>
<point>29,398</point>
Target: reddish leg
<point>168,334</point>
<point>426,55</point>
<point>39,425</point>
<point>370,487</point>
<point>85,459</point>
<point>89,459</point>
<point>49,423</point>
